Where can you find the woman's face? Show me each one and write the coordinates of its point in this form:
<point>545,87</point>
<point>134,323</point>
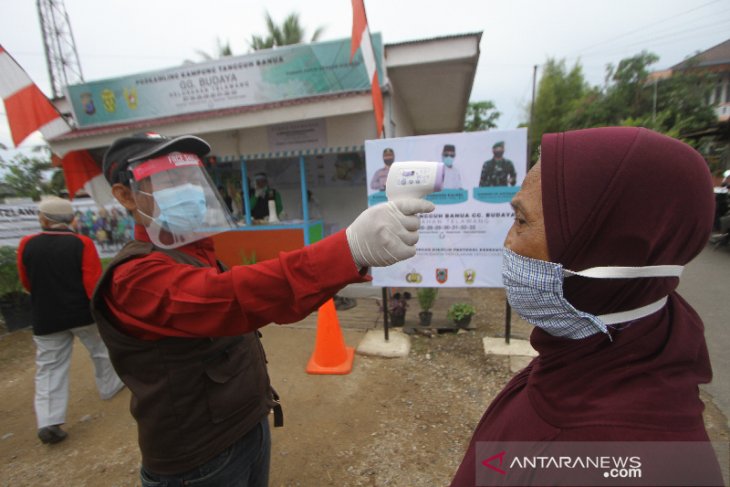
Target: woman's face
<point>527,234</point>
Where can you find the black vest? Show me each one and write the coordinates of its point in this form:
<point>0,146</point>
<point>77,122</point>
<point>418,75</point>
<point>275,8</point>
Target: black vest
<point>192,397</point>
<point>53,263</point>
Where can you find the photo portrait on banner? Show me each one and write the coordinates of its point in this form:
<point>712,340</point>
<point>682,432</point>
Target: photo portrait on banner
<point>461,241</point>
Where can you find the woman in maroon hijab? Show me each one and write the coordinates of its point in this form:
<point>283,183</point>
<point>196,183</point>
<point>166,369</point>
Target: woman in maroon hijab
<point>606,198</point>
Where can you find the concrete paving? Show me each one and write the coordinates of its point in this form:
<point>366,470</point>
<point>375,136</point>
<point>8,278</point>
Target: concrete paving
<point>374,344</point>
<point>497,346</point>
<point>705,284</point>
<point>520,352</point>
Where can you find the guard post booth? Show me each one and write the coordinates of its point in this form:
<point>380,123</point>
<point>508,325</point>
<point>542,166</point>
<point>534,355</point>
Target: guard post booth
<point>300,114</point>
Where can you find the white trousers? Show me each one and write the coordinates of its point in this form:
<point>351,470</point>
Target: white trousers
<point>53,360</point>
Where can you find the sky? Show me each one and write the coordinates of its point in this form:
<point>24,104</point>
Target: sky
<point>117,38</point>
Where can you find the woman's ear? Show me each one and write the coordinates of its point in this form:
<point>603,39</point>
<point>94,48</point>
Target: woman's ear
<point>124,195</point>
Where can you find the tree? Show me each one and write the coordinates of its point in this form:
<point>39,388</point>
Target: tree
<point>24,175</point>
<point>289,32</point>
<point>624,96</point>
<point>223,49</point>
<point>481,115</point>
<point>559,94</point>
<point>674,106</point>
<point>681,104</point>
<point>57,183</point>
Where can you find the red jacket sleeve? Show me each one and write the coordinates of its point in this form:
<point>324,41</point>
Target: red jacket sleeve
<point>90,265</point>
<point>154,296</point>
<point>21,267</point>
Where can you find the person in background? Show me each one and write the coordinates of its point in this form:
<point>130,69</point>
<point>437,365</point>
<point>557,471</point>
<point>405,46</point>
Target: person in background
<point>381,175</point>
<point>60,269</point>
<point>313,207</point>
<point>452,178</point>
<point>261,196</point>
<point>593,260</point>
<point>182,329</point>
<point>498,171</point>
<point>226,198</point>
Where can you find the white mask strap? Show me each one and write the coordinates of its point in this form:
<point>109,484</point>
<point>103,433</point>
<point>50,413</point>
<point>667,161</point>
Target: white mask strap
<point>633,314</point>
<point>628,272</point>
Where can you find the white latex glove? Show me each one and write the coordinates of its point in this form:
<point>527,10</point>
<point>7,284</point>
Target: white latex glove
<point>387,233</point>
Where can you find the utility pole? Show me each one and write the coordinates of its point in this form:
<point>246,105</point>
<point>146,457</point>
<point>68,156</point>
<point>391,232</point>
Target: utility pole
<point>62,59</point>
<point>653,105</point>
<point>530,127</point>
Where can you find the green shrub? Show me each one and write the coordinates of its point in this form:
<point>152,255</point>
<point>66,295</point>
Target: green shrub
<point>459,311</point>
<point>426,297</point>
<point>9,278</point>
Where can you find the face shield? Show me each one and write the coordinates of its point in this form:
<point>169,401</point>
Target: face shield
<point>177,200</point>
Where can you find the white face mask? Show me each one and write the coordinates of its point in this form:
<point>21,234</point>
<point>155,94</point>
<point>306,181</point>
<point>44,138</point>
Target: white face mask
<point>535,291</point>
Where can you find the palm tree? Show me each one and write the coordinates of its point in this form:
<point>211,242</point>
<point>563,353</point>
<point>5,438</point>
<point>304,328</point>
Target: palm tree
<point>223,49</point>
<point>289,32</point>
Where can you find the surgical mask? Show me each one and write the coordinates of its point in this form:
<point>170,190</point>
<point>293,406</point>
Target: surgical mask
<point>182,208</point>
<point>448,160</point>
<point>535,291</point>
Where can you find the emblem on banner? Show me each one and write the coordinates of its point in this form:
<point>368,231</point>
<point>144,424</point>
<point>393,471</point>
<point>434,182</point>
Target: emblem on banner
<point>87,101</point>
<point>110,101</point>
<point>130,94</point>
<point>470,276</point>
<point>414,277</point>
<point>442,275</point>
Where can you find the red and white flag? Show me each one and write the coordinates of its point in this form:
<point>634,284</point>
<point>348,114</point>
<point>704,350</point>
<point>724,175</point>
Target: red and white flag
<point>28,110</point>
<point>80,171</point>
<point>26,106</point>
<point>361,40</point>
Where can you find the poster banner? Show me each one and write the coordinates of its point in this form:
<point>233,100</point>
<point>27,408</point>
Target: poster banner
<point>461,241</point>
<point>265,76</point>
<point>110,228</point>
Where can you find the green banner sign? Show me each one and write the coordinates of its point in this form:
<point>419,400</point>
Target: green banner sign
<point>271,75</point>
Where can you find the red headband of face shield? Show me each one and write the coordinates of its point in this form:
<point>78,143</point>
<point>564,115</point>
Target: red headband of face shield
<point>174,160</point>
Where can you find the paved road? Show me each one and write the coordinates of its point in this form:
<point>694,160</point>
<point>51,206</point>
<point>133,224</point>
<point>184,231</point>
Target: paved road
<point>705,283</point>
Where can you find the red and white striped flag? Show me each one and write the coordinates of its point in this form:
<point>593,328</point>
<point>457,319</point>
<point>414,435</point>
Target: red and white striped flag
<point>80,171</point>
<point>26,106</point>
<point>28,110</point>
<point>361,40</point>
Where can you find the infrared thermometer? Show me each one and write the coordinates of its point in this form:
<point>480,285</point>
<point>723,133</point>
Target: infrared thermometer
<point>414,179</point>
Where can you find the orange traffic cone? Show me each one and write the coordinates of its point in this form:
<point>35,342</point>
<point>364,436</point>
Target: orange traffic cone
<point>330,355</point>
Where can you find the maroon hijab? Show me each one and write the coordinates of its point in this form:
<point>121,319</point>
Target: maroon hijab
<point>623,196</point>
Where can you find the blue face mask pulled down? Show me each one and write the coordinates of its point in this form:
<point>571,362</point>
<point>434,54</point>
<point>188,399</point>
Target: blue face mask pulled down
<point>182,208</point>
<point>535,291</point>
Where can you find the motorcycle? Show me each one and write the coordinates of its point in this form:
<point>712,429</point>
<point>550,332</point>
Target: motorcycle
<point>722,213</point>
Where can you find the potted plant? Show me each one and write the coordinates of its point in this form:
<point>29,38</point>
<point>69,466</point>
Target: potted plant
<point>461,313</point>
<point>397,306</point>
<point>426,297</point>
<point>14,301</point>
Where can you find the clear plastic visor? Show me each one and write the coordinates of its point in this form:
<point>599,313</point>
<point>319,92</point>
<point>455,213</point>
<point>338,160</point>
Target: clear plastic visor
<point>177,201</point>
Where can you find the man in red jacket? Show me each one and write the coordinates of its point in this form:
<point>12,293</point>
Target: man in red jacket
<point>60,270</point>
<point>182,330</point>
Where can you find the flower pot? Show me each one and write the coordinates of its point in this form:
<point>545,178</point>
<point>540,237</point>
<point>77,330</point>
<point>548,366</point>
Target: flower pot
<point>464,322</point>
<point>16,312</point>
<point>397,320</point>
<point>424,318</point>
